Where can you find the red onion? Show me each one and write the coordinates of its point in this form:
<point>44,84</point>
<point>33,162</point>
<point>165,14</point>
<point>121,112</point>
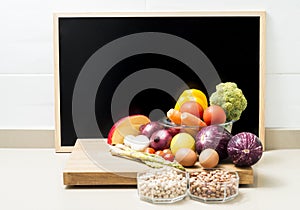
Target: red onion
<point>160,140</point>
<point>150,128</point>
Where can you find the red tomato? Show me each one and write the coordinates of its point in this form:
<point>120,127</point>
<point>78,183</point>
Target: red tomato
<point>167,151</point>
<point>169,157</point>
<point>214,114</point>
<point>193,108</point>
<point>160,153</point>
<point>149,150</point>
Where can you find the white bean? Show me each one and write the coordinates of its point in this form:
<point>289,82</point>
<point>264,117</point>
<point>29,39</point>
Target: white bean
<point>167,184</point>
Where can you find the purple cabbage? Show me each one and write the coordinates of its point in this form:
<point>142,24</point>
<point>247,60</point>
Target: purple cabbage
<point>215,137</point>
<point>245,149</point>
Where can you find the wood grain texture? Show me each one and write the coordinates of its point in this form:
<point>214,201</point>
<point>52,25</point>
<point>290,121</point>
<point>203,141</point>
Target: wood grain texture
<point>262,73</point>
<point>57,134</point>
<point>91,163</point>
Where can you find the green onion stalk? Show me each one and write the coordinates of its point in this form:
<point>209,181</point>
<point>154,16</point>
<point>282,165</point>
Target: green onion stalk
<point>151,160</point>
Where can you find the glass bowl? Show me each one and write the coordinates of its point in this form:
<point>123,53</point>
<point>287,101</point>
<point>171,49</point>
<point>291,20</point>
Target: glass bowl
<point>213,185</point>
<point>193,130</point>
<point>165,185</point>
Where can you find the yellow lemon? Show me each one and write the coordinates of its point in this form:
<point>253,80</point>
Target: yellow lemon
<point>182,140</point>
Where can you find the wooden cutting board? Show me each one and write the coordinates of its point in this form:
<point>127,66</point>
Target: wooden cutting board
<point>91,163</point>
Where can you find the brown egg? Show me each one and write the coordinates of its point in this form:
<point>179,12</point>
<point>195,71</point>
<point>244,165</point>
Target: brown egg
<point>186,157</point>
<point>209,158</point>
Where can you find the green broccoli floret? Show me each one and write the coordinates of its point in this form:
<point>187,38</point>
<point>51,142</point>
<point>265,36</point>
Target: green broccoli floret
<point>230,98</point>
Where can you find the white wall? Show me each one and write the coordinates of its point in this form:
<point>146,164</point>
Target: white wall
<point>26,51</point>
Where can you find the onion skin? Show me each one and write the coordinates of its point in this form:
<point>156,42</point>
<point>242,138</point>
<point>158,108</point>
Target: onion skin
<point>150,128</point>
<point>160,140</point>
<point>245,149</point>
<point>214,137</point>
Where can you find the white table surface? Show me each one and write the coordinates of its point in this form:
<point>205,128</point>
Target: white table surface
<point>32,179</point>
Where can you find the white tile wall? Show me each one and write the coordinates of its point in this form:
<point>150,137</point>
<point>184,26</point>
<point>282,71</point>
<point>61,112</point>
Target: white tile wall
<point>26,52</point>
<point>27,101</point>
<point>282,102</point>
<point>27,30</point>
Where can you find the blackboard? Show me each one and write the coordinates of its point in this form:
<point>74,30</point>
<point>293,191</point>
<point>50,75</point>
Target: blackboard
<point>110,65</point>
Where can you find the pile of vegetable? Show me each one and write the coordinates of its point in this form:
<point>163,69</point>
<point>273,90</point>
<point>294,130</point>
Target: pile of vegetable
<point>196,130</point>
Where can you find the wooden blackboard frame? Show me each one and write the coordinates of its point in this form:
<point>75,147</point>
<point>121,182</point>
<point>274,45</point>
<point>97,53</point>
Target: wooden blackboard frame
<point>262,17</point>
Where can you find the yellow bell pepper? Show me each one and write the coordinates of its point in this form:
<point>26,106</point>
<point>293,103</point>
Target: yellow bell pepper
<point>192,95</point>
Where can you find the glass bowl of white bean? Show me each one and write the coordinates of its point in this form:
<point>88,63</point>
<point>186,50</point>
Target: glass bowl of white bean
<point>164,185</point>
<point>213,185</point>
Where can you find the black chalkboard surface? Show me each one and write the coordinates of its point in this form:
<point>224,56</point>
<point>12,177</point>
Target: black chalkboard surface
<point>108,66</point>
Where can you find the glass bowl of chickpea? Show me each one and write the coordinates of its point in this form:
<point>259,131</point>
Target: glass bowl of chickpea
<point>164,185</point>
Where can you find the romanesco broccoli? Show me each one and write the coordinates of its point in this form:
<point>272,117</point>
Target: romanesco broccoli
<point>230,98</point>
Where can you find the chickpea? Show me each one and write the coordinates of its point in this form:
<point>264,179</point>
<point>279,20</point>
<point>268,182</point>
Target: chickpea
<point>166,184</point>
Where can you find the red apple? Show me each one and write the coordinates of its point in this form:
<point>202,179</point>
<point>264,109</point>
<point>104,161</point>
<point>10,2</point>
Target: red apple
<point>126,126</point>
